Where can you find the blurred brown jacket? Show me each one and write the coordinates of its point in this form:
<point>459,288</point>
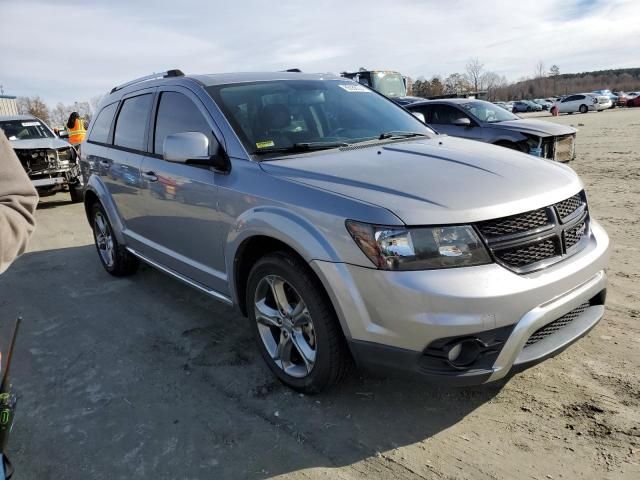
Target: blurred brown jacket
<point>18,200</point>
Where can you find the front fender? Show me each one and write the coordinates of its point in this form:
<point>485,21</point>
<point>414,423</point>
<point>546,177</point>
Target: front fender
<point>97,187</point>
<point>280,224</point>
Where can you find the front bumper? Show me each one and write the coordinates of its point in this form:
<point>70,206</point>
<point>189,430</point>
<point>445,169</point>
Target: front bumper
<point>390,318</point>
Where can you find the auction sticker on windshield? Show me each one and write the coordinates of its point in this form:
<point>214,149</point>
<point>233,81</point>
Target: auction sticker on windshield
<point>266,144</point>
<point>353,88</point>
<point>30,124</point>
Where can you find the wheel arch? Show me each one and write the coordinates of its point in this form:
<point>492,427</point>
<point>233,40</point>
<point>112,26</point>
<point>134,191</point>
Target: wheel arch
<point>265,230</point>
<point>96,191</point>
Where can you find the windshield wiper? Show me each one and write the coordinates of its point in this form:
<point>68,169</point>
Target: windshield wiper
<point>400,134</point>
<point>302,147</point>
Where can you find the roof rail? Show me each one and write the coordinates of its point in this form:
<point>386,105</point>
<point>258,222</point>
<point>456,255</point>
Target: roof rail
<point>169,73</point>
<point>293,70</point>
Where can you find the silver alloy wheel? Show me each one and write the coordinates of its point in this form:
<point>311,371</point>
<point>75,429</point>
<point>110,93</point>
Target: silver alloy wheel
<point>104,239</point>
<point>285,326</point>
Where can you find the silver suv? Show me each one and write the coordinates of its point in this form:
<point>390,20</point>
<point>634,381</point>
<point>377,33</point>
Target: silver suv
<point>343,227</point>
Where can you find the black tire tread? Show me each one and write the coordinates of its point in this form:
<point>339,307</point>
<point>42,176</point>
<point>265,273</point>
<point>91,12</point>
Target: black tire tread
<point>125,263</point>
<point>340,360</point>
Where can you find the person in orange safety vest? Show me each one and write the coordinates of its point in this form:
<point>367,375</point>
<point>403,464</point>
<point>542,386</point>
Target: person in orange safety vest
<point>76,129</point>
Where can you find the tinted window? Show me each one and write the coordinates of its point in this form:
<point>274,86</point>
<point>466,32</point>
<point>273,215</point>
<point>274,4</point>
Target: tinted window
<point>176,114</point>
<point>132,121</point>
<point>579,97</point>
<point>445,114</point>
<point>426,111</point>
<point>100,130</point>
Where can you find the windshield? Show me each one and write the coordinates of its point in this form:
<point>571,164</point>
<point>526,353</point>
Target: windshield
<point>488,112</point>
<point>390,84</point>
<point>25,130</point>
<point>289,114</point>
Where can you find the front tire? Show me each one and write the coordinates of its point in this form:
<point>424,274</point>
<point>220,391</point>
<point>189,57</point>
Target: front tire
<point>584,109</point>
<point>115,259</point>
<point>295,325</point>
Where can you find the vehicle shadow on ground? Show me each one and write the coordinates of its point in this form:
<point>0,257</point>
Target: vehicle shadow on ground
<point>58,202</point>
<point>144,377</point>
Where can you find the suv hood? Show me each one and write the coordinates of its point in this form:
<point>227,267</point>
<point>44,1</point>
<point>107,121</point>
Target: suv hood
<point>52,143</point>
<point>534,127</point>
<point>443,180</point>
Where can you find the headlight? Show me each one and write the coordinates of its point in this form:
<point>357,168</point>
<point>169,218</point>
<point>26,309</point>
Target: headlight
<point>425,248</point>
<point>64,154</point>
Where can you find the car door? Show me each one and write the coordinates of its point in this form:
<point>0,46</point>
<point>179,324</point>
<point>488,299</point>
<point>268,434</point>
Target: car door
<point>443,116</point>
<point>181,226</point>
<point>567,104</point>
<point>121,160</point>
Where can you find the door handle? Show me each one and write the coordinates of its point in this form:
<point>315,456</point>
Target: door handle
<point>150,176</point>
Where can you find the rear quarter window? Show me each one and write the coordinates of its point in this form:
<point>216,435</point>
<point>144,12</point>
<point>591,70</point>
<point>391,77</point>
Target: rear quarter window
<point>101,126</point>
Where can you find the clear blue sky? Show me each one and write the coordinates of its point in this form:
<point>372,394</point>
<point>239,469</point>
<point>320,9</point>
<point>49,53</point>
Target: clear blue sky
<point>71,50</point>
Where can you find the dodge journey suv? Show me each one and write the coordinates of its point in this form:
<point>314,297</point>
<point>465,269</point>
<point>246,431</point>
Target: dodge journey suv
<point>343,227</point>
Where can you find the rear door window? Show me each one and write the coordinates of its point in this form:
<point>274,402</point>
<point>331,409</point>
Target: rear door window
<point>102,125</point>
<point>177,114</point>
<point>426,111</point>
<point>132,122</point>
<point>445,115</point>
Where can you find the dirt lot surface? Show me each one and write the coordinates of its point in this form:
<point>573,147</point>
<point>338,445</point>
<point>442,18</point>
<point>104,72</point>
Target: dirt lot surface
<point>145,378</point>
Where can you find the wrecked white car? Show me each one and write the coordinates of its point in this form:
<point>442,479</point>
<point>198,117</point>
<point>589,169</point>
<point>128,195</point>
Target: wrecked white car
<point>50,162</point>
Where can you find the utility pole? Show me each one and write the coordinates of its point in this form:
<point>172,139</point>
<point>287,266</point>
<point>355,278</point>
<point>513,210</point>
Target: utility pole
<point>1,89</point>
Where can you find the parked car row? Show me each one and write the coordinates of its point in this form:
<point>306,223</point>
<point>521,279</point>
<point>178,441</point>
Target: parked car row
<point>595,101</point>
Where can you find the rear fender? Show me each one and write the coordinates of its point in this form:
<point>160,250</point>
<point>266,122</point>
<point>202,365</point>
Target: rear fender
<point>95,185</point>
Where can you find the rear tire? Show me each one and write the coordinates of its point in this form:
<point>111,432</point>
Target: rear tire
<point>584,109</point>
<point>310,354</point>
<point>115,259</point>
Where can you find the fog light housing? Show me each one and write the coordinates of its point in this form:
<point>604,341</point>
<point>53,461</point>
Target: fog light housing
<point>464,353</point>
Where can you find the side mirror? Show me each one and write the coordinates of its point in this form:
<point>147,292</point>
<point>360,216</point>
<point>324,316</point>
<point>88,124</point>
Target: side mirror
<point>462,122</point>
<point>193,148</point>
<point>419,116</point>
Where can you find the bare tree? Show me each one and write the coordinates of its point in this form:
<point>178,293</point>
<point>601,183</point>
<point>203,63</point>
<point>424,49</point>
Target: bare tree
<point>491,82</point>
<point>33,106</point>
<point>437,88</point>
<point>456,83</point>
<point>540,71</point>
<point>475,69</point>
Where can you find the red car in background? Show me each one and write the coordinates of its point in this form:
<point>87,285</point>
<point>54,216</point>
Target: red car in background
<point>633,99</point>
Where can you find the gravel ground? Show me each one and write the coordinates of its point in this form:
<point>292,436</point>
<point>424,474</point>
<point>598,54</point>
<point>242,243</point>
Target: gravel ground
<point>146,378</point>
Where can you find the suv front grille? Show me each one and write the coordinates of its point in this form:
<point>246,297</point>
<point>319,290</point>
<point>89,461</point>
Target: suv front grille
<point>536,252</point>
<point>536,239</point>
<point>553,327</point>
<point>568,206</point>
<point>514,224</point>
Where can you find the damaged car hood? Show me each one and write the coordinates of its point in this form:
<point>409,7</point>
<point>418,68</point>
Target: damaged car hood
<point>444,180</point>
<point>534,127</point>
<point>39,143</point>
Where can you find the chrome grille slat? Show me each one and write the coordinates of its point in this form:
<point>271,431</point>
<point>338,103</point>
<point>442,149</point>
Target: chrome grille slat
<point>553,327</point>
<point>538,238</point>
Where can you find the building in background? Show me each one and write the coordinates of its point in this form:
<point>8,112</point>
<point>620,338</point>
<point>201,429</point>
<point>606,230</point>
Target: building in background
<point>8,105</point>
